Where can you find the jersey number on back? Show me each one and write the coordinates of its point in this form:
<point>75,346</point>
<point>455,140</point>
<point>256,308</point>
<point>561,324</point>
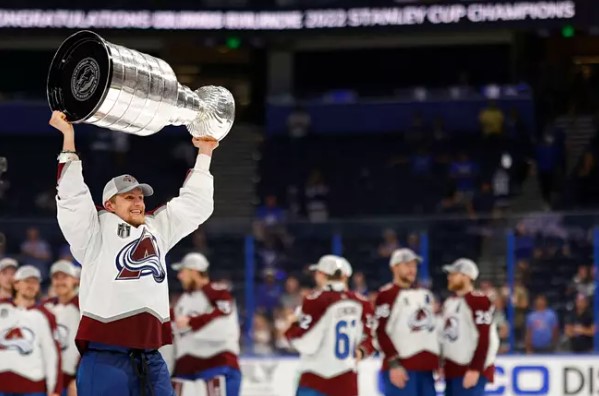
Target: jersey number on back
<point>343,338</point>
<point>483,317</point>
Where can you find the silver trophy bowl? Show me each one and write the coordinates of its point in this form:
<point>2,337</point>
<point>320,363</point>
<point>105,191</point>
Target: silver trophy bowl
<point>110,86</point>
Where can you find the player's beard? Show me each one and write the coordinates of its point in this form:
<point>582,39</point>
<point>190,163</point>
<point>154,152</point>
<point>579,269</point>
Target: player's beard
<point>456,286</point>
<point>192,285</point>
<point>406,281</point>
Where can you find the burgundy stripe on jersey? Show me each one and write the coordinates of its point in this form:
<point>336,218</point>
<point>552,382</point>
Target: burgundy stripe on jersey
<point>13,383</point>
<point>385,299</point>
<point>141,331</point>
<point>59,171</point>
<point>345,384</point>
<point>481,308</point>
<point>188,365</point>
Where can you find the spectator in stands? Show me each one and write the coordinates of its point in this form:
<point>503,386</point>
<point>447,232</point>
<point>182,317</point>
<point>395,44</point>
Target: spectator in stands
<point>299,123</point>
<point>548,159</point>
<point>491,120</point>
<point>269,226</point>
<point>580,327</point>
<point>525,242</point>
<point>488,289</point>
<point>582,283</point>
<point>521,303</point>
<point>359,284</point>
<point>262,335</point>
<point>484,200</point>
<point>291,297</point>
<point>463,171</point>
<point>413,242</point>
<point>503,327</point>
<point>542,328</point>
<point>454,204</point>
<point>270,213</point>
<point>281,324</point>
<point>316,192</point>
<point>389,244</point>
<point>268,292</point>
<point>36,251</point>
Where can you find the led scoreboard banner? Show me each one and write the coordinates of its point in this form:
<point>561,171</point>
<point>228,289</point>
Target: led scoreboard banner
<point>448,13</point>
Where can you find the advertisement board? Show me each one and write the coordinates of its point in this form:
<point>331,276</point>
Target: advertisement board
<point>531,12</point>
<point>553,375</point>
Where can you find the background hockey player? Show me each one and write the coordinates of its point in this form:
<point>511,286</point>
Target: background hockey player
<point>65,307</point>
<point>470,340</point>
<point>330,333</point>
<point>207,333</point>
<point>29,353</point>
<point>406,332</point>
<point>124,293</point>
<point>8,267</point>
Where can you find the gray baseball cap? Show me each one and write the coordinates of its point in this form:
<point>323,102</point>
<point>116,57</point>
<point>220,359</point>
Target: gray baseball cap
<point>330,263</point>
<point>122,184</point>
<point>464,266</point>
<point>194,261</point>
<point>403,255</point>
<point>8,262</point>
<point>66,267</point>
<point>27,271</point>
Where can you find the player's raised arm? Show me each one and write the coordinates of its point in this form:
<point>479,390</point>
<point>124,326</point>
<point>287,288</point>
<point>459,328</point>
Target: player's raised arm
<point>195,203</point>
<point>76,212</point>
<point>306,332</point>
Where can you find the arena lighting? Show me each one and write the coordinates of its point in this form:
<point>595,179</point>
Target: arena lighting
<point>408,15</point>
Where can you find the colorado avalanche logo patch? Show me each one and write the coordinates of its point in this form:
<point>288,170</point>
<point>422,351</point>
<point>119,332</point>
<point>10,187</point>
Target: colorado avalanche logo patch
<point>451,329</point>
<point>61,335</point>
<point>422,319</point>
<point>17,338</point>
<point>140,258</point>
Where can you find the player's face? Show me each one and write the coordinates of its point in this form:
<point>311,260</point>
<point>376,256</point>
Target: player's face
<point>320,279</point>
<point>191,279</point>
<point>456,281</point>
<point>407,272</point>
<point>6,277</point>
<point>129,206</point>
<point>63,284</point>
<point>28,288</point>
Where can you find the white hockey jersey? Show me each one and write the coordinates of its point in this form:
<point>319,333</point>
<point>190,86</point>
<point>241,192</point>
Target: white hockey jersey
<point>29,355</point>
<point>123,294</point>
<point>407,328</point>
<point>67,321</point>
<point>213,338</point>
<point>331,325</point>
<point>469,338</point>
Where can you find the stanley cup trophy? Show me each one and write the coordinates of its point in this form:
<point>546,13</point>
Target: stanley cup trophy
<point>100,83</point>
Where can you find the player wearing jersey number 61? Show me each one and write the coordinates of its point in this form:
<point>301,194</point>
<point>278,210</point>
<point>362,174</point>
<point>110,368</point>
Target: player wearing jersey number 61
<point>406,331</point>
<point>470,341</point>
<point>123,296</point>
<point>331,333</point>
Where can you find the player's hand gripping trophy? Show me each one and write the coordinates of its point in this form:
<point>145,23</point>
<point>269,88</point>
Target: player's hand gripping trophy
<point>100,83</point>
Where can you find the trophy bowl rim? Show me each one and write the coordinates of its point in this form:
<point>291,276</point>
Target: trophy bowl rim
<point>64,46</point>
